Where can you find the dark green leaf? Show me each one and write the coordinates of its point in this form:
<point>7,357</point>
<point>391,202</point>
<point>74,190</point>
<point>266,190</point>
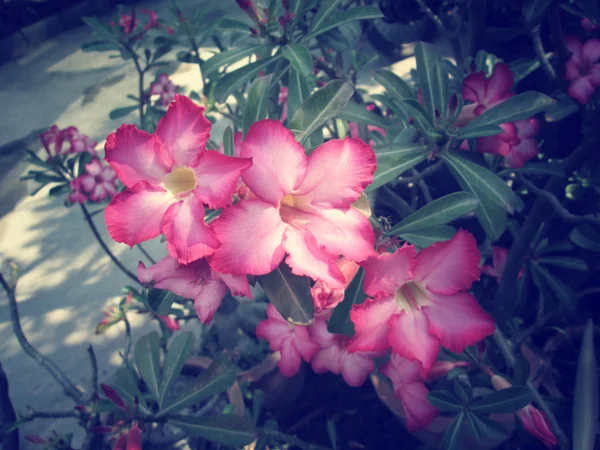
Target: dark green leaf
<point>439,212</point>
<point>326,7</point>
<point>186,56</point>
<point>562,109</point>
<point>299,57</point>
<point>42,177</point>
<point>258,399</point>
<point>522,67</point>
<point>219,377</point>
<point>353,294</point>
<point>586,398</point>
<point>453,435</point>
<point>489,130</point>
<point>507,400</point>
<point>59,190</point>
<point>120,112</point>
<point>335,40</point>
<point>353,112</point>
<point>394,159</point>
<point>463,391</point>
<point>427,58</point>
<point>343,17</point>
<point>557,287</point>
<point>99,46</point>
<point>321,106</point>
<point>429,236</point>
<point>290,294</point>
<point>226,23</point>
<point>490,429</point>
<point>232,81</point>
<point>228,145</point>
<point>160,301</point>
<point>412,108</point>
<point>440,80</point>
<point>176,356</point>
<point>533,10</point>
<point>586,237</point>
<point>568,262</point>
<point>473,425</point>
<point>126,385</point>
<point>225,429</point>
<point>445,401</point>
<point>298,92</point>
<point>396,86</point>
<point>147,360</point>
<point>257,107</point>
<point>36,160</point>
<point>536,169</point>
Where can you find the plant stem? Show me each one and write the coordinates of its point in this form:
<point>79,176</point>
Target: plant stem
<point>558,41</point>
<point>140,72</point>
<point>430,170</point>
<point>145,253</point>
<point>94,364</point>
<point>128,337</point>
<point>110,254</point>
<point>536,40</point>
<point>49,415</point>
<point>69,387</point>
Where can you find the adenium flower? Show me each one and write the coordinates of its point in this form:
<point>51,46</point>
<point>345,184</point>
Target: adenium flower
<point>77,194</point>
<point>195,281</point>
<point>516,143</point>
<point>165,88</point>
<point>583,68</point>
<point>419,301</point>
<point>323,296</point>
<point>169,175</point>
<point>334,357</point>
<point>52,140</point>
<point>98,181</point>
<point>293,342</point>
<point>300,206</point>
<point>410,388</point>
<point>532,419</point>
<point>79,142</point>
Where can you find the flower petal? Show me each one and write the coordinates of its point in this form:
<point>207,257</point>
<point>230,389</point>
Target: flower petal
<point>238,284</point>
<point>582,90</point>
<point>217,177</point>
<point>521,153</point>
<point>474,87</point>
<point>500,83</point>
<point>458,320</point>
<point>573,44</point>
<point>136,155</point>
<point>451,266</point>
<point>279,163</point>
<point>590,51</point>
<point>302,343</point>
<point>251,236</point>
<point>371,320</point>
<point>290,362</point>
<point>528,128</point>
<point>319,334</point>
<point>183,131</point>
<point>208,300</point>
<point>338,172</point>
<point>387,272</point>
<point>327,360</point>
<point>188,237</point>
<point>136,214</point>
<point>356,367</point>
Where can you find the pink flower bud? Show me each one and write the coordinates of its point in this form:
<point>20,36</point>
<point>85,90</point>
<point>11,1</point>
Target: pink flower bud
<point>112,395</point>
<point>441,368</point>
<point>134,438</point>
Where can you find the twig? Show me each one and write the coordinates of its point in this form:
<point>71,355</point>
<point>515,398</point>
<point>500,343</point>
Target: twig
<point>558,41</point>
<point>306,419</point>
<point>94,364</point>
<point>429,170</point>
<point>98,211</point>
<point>586,292</point>
<point>537,325</point>
<point>69,387</point>
<point>128,337</point>
<point>110,254</point>
<point>536,40</point>
<point>423,186</point>
<point>140,72</point>
<point>557,205</point>
<point>48,415</point>
<point>402,207</point>
<point>145,253</point>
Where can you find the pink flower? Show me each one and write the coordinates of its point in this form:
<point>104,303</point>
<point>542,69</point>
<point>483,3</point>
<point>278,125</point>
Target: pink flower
<point>588,25</point>
<point>282,100</point>
<point>291,341</point>
<point>324,297</point>
<point>196,281</point>
<point>499,257</point>
<point>52,140</point>
<point>250,9</point>
<point>532,419</point>
<point>77,195</point>
<point>128,22</point>
<point>420,301</point>
<point>165,88</point>
<point>79,142</point>
<point>99,181</point>
<point>333,356</point>
<point>583,69</point>
<point>170,322</point>
<point>516,143</point>
<point>301,206</point>
<point>410,388</point>
<point>169,175</point>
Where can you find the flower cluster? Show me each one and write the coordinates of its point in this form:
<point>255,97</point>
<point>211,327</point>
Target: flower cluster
<point>129,24</point>
<point>67,141</point>
<point>164,88</point>
<point>96,184</point>
<point>583,68</point>
<point>517,141</point>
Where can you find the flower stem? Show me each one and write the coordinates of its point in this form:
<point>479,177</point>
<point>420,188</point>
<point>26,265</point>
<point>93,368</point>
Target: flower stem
<point>128,337</point>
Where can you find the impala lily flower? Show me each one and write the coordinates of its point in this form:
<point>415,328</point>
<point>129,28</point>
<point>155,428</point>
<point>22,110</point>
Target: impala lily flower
<point>516,143</point>
<point>165,88</point>
<point>291,341</point>
<point>410,388</point>
<point>196,281</point>
<point>52,140</point>
<point>324,297</point>
<point>99,181</point>
<point>302,207</point>
<point>79,142</point>
<point>169,175</point>
<point>420,301</point>
<point>333,356</point>
<point>77,195</point>
<point>583,68</point>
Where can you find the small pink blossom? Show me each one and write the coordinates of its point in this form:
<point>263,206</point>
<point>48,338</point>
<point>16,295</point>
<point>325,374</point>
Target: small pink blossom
<point>291,341</point>
<point>588,25</point>
<point>517,142</point>
<point>52,140</point>
<point>583,68</point>
<point>99,181</point>
<point>323,296</point>
<point>170,322</point>
<point>410,388</point>
<point>169,176</point>
<point>196,281</point>
<point>165,88</point>
<point>77,194</point>
<point>300,206</point>
<point>79,142</point>
<point>419,301</point>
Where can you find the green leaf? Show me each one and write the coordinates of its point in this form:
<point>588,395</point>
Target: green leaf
<point>226,429</point>
<point>353,112</point>
<point>343,17</point>
<point>440,80</point>
<point>176,356</point>
<point>396,86</point>
<point>147,360</point>
<point>353,294</point>
<point>99,46</point>
<point>536,169</point>
<point>231,56</point>
<point>321,106</point>
<point>521,106</point>
<point>290,294</point>
<point>335,40</point>
<point>232,81</point>
<point>439,212</point>
<point>228,144</point>
<point>473,425</point>
<point>120,112</point>
<point>522,67</point>
<point>492,219</point>
<point>453,435</point>
<point>586,398</point>
<point>412,108</point>
<point>445,401</point>
<point>568,262</point>
<point>489,130</point>
<point>463,391</point>
<point>586,237</point>
<point>59,190</point>
<point>219,377</point>
<point>326,7</point>
<point>257,107</point>
<point>228,24</point>
<point>427,57</point>
<point>394,159</point>
<point>429,236</point>
<point>160,301</point>
<point>298,92</point>
<point>299,57</point>
<point>258,399</point>
<point>489,429</point>
<point>507,400</point>
<point>533,10</point>
<point>562,109</point>
<point>560,290</point>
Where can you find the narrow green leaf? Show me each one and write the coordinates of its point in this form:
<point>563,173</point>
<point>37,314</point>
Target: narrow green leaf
<point>492,219</point>
<point>335,40</point>
<point>463,392</point>
<point>299,57</point>
<point>429,236</point>
<point>232,81</point>
<point>533,10</point>
<point>586,398</point>
<point>147,360</point>
<point>489,429</point>
<point>219,377</point>
<point>562,109</point>
<point>257,107</point>
<point>586,237</point>
<point>126,385</point>
<point>226,429</point>
<point>160,301</point>
<point>536,169</point>
<point>228,141</point>
<point>439,212</point>
<point>567,262</point>
<point>413,109</point>
<point>353,112</point>
<point>120,112</point>
<point>290,294</point>
<point>560,290</point>
<point>298,92</point>
<point>231,56</point>
<point>59,190</point>
<point>440,81</point>
<point>326,7</point>
<point>397,159</point>
<point>454,433</point>
<point>489,130</point>
<point>228,24</point>
<point>445,401</point>
<point>474,427</point>
<point>506,400</point>
<point>99,46</point>
<point>427,57</point>
<point>343,17</point>
<point>321,106</point>
<point>176,356</point>
<point>396,86</point>
<point>523,67</point>
<point>354,294</point>
<point>258,399</point>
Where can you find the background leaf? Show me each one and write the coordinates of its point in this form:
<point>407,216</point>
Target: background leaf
<point>396,86</point>
<point>353,294</point>
<point>453,435</point>
<point>429,236</point>
<point>393,160</point>
<point>257,107</point>
<point>147,360</point>
<point>427,57</point>
<point>353,112</point>
<point>299,57</point>
<point>506,400</point>
<point>176,356</point>
<point>120,112</point>
<point>232,81</point>
<point>226,429</point>
<point>228,57</point>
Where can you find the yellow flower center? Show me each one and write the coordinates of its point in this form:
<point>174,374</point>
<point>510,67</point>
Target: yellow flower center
<point>290,200</point>
<point>181,179</point>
